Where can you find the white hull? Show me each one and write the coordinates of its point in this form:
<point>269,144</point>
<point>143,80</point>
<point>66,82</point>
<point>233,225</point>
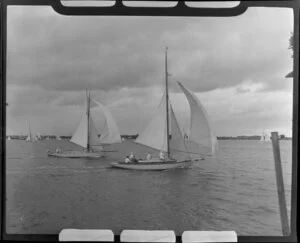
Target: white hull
<point>76,154</point>
<point>148,165</point>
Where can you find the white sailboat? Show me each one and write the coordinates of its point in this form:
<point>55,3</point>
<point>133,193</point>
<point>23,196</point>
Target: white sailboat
<point>86,134</point>
<point>265,137</point>
<point>162,133</point>
<point>30,136</point>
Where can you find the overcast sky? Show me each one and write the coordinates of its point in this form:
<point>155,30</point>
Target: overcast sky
<point>236,65</point>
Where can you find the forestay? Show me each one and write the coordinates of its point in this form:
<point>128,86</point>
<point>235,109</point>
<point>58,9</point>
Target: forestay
<point>200,130</point>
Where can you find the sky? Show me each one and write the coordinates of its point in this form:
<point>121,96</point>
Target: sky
<point>235,65</point>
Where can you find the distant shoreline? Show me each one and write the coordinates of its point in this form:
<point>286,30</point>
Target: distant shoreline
<point>243,137</point>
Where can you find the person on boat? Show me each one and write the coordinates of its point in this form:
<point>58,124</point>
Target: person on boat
<point>162,155</point>
<point>127,160</point>
<point>149,157</point>
<point>132,158</point>
<point>58,151</point>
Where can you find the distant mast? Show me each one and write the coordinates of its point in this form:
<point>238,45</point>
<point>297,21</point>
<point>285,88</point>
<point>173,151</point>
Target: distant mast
<point>167,102</point>
<point>88,120</point>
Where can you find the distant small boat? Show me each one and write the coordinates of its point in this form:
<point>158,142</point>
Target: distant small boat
<point>8,138</point>
<point>265,137</point>
<point>86,135</point>
<point>30,136</point>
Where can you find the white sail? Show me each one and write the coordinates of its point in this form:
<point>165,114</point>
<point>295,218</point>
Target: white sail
<point>178,149</point>
<point>110,133</point>
<point>93,132</point>
<point>265,137</point>
<point>155,134</point>
<point>200,130</point>
<point>80,136</point>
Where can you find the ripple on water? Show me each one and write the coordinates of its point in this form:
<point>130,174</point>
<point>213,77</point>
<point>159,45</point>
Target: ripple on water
<point>235,192</point>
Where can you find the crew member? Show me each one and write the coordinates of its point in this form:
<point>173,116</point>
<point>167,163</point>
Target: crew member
<point>162,155</point>
<point>149,157</point>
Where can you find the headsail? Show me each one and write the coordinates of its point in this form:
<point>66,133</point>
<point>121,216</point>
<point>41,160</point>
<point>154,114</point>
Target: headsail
<point>80,136</point>
<point>200,130</point>
<point>110,133</point>
<point>155,134</point>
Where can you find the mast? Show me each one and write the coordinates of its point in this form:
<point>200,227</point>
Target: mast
<point>167,102</point>
<point>88,120</point>
<point>29,135</point>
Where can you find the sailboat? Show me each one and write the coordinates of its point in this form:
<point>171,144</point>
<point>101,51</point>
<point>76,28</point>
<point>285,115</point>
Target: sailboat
<point>162,133</point>
<point>30,136</point>
<point>265,137</point>
<point>86,134</point>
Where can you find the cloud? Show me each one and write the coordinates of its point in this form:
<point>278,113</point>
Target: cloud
<point>52,59</point>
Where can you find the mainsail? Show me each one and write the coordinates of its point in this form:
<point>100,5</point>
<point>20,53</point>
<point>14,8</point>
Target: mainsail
<point>200,130</point>
<point>110,133</point>
<point>178,147</point>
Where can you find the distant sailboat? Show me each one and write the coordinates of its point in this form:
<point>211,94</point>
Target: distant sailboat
<point>162,133</point>
<point>30,136</point>
<point>265,137</point>
<point>86,134</point>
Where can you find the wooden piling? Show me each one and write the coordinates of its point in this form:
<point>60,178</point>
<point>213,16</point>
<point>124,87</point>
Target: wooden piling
<point>280,185</point>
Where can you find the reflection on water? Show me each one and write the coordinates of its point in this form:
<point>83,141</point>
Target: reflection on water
<point>234,191</point>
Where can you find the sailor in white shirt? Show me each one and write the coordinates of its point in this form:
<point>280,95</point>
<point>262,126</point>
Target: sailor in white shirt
<point>162,155</point>
<point>149,157</point>
<point>127,160</point>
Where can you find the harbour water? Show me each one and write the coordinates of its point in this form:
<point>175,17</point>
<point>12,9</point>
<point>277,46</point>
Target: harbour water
<point>236,190</point>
